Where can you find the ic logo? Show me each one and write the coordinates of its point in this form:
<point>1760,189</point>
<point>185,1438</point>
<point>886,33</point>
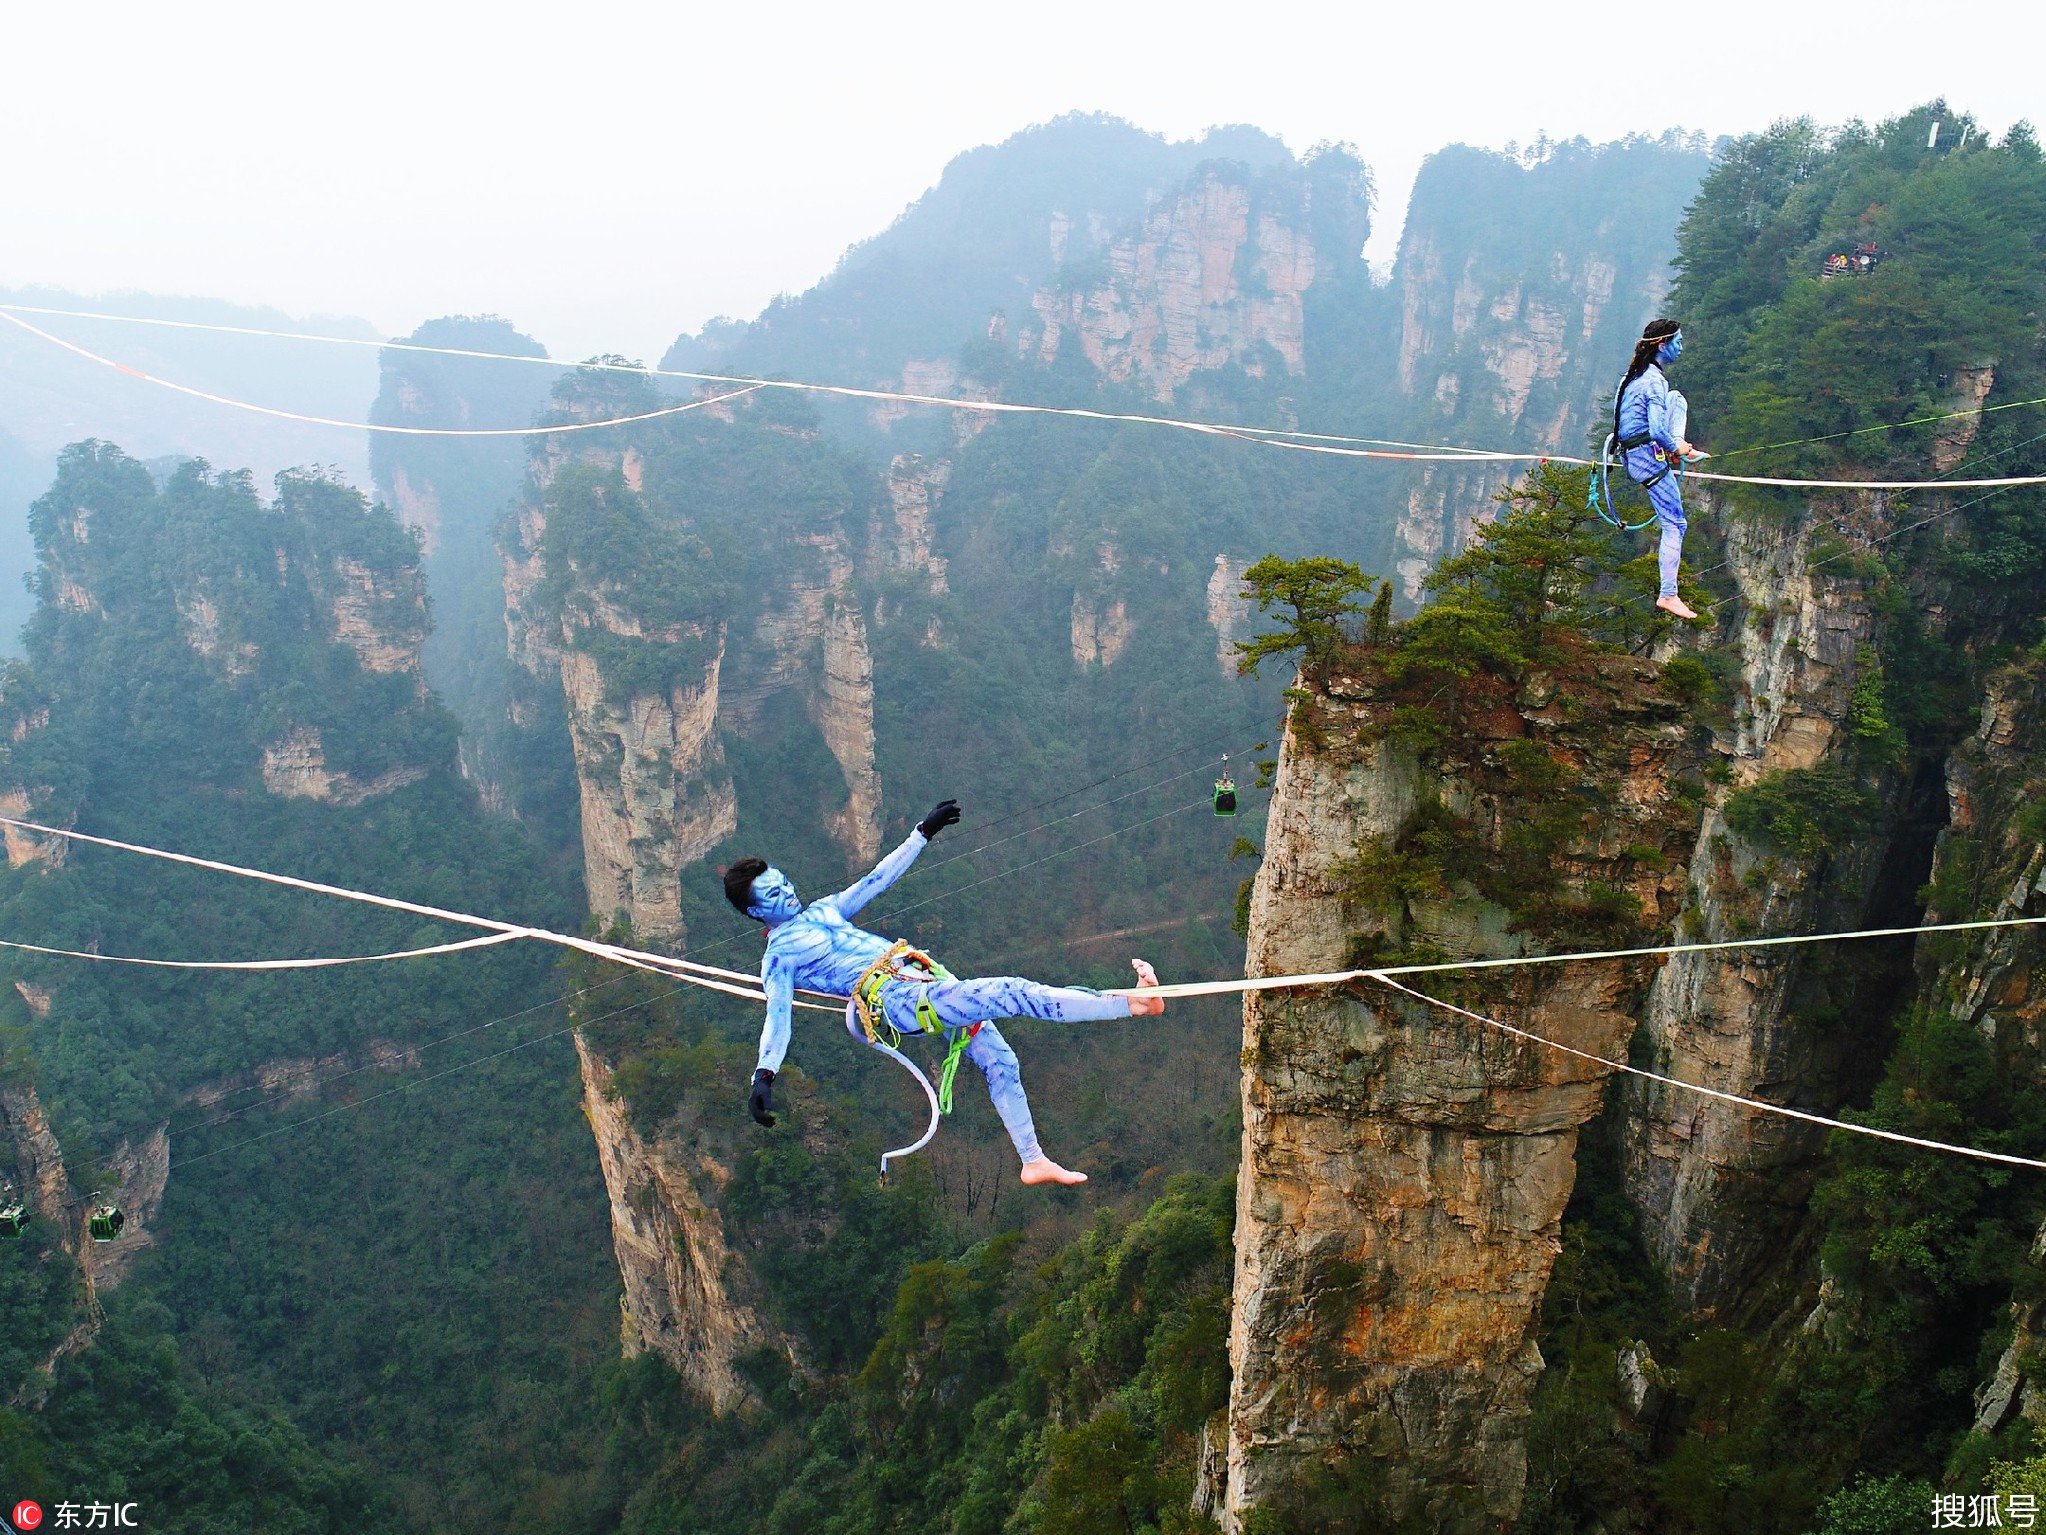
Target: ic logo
<point>27,1516</point>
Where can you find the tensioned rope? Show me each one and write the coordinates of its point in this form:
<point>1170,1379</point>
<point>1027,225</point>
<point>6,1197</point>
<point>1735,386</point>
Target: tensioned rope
<point>1304,442</point>
<point>1713,1092</point>
<point>1909,527</point>
<point>321,1083</point>
<point>711,977</point>
<point>370,426</point>
<point>483,942</point>
<point>704,974</point>
<point>748,385</point>
<point>1511,961</point>
<point>495,938</point>
<point>660,964</point>
<point>510,934</point>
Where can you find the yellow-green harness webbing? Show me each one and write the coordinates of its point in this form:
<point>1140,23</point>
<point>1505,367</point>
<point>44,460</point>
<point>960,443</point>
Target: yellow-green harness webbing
<point>874,1018</point>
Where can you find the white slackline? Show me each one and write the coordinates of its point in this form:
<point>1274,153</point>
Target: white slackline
<point>845,390</point>
<point>1272,437</point>
<point>369,426</point>
<point>680,970</point>
<point>483,942</point>
<point>1691,1087</point>
<point>1339,977</point>
<point>663,964</point>
<point>702,975</point>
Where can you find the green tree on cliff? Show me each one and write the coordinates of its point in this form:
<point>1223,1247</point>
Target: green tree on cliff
<point>1321,592</point>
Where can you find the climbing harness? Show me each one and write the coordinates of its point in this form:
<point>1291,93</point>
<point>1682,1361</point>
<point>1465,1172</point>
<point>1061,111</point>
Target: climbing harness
<point>1599,496</point>
<point>866,1005</point>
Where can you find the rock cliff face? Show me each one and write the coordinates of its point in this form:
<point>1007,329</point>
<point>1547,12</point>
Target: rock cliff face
<point>636,759</point>
<point>654,793</point>
<point>1405,1170</point>
<point>653,690</point>
<point>38,1160</point>
<point>1213,277</point>
<point>672,1254</point>
<point>1717,1189</point>
<point>1992,863</point>
<point>140,1173</point>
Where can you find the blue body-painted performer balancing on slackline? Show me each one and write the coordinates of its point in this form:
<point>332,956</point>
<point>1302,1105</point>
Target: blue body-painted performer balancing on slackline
<point>1649,419</point>
<point>897,990</point>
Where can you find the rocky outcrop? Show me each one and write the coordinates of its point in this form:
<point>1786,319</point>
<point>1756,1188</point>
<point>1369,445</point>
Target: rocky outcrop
<point>1954,436</point>
<point>380,615</point>
<point>812,640</point>
<point>655,791</point>
<point>1102,627</point>
<point>1229,613</point>
<point>140,1175</point>
<point>25,847</point>
<point>292,1078</point>
<point>418,507</point>
<point>1991,863</point>
<point>914,486</point>
<point>532,630</point>
<point>1211,278</point>
<point>1443,503</point>
<point>844,710</point>
<point>1405,1169</point>
<point>38,1159</point>
<point>296,768</point>
<point>672,1253</point>
<point>199,622</point>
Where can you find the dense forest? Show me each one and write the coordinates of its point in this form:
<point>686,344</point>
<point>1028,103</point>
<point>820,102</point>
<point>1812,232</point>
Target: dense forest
<point>365,1282</point>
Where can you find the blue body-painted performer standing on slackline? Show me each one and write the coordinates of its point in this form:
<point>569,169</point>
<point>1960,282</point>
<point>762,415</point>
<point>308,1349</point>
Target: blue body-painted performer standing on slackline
<point>893,987</point>
<point>1649,419</point>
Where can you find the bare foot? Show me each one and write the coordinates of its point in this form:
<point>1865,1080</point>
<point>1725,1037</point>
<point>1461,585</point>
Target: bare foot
<point>1045,1170</point>
<point>1145,1007</point>
<point>1676,606</point>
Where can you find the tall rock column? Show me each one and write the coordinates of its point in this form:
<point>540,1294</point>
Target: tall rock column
<point>1718,1186</point>
<point>685,1296</point>
<point>1404,1169</point>
<point>656,795</point>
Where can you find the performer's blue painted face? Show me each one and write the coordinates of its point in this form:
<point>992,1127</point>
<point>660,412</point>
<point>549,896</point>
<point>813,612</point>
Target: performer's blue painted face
<point>774,898</point>
<point>1671,349</point>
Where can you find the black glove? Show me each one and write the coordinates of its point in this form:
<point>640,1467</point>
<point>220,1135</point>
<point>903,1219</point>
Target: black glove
<point>945,814</point>
<point>761,1104</point>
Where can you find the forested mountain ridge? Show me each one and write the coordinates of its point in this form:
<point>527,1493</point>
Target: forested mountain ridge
<point>50,397</point>
<point>214,672</point>
<point>899,305</point>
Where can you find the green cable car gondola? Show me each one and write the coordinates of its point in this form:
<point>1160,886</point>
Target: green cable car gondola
<point>105,1222</point>
<point>1225,792</point>
<point>13,1216</point>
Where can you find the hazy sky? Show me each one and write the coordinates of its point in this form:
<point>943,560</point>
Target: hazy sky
<point>608,175</point>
